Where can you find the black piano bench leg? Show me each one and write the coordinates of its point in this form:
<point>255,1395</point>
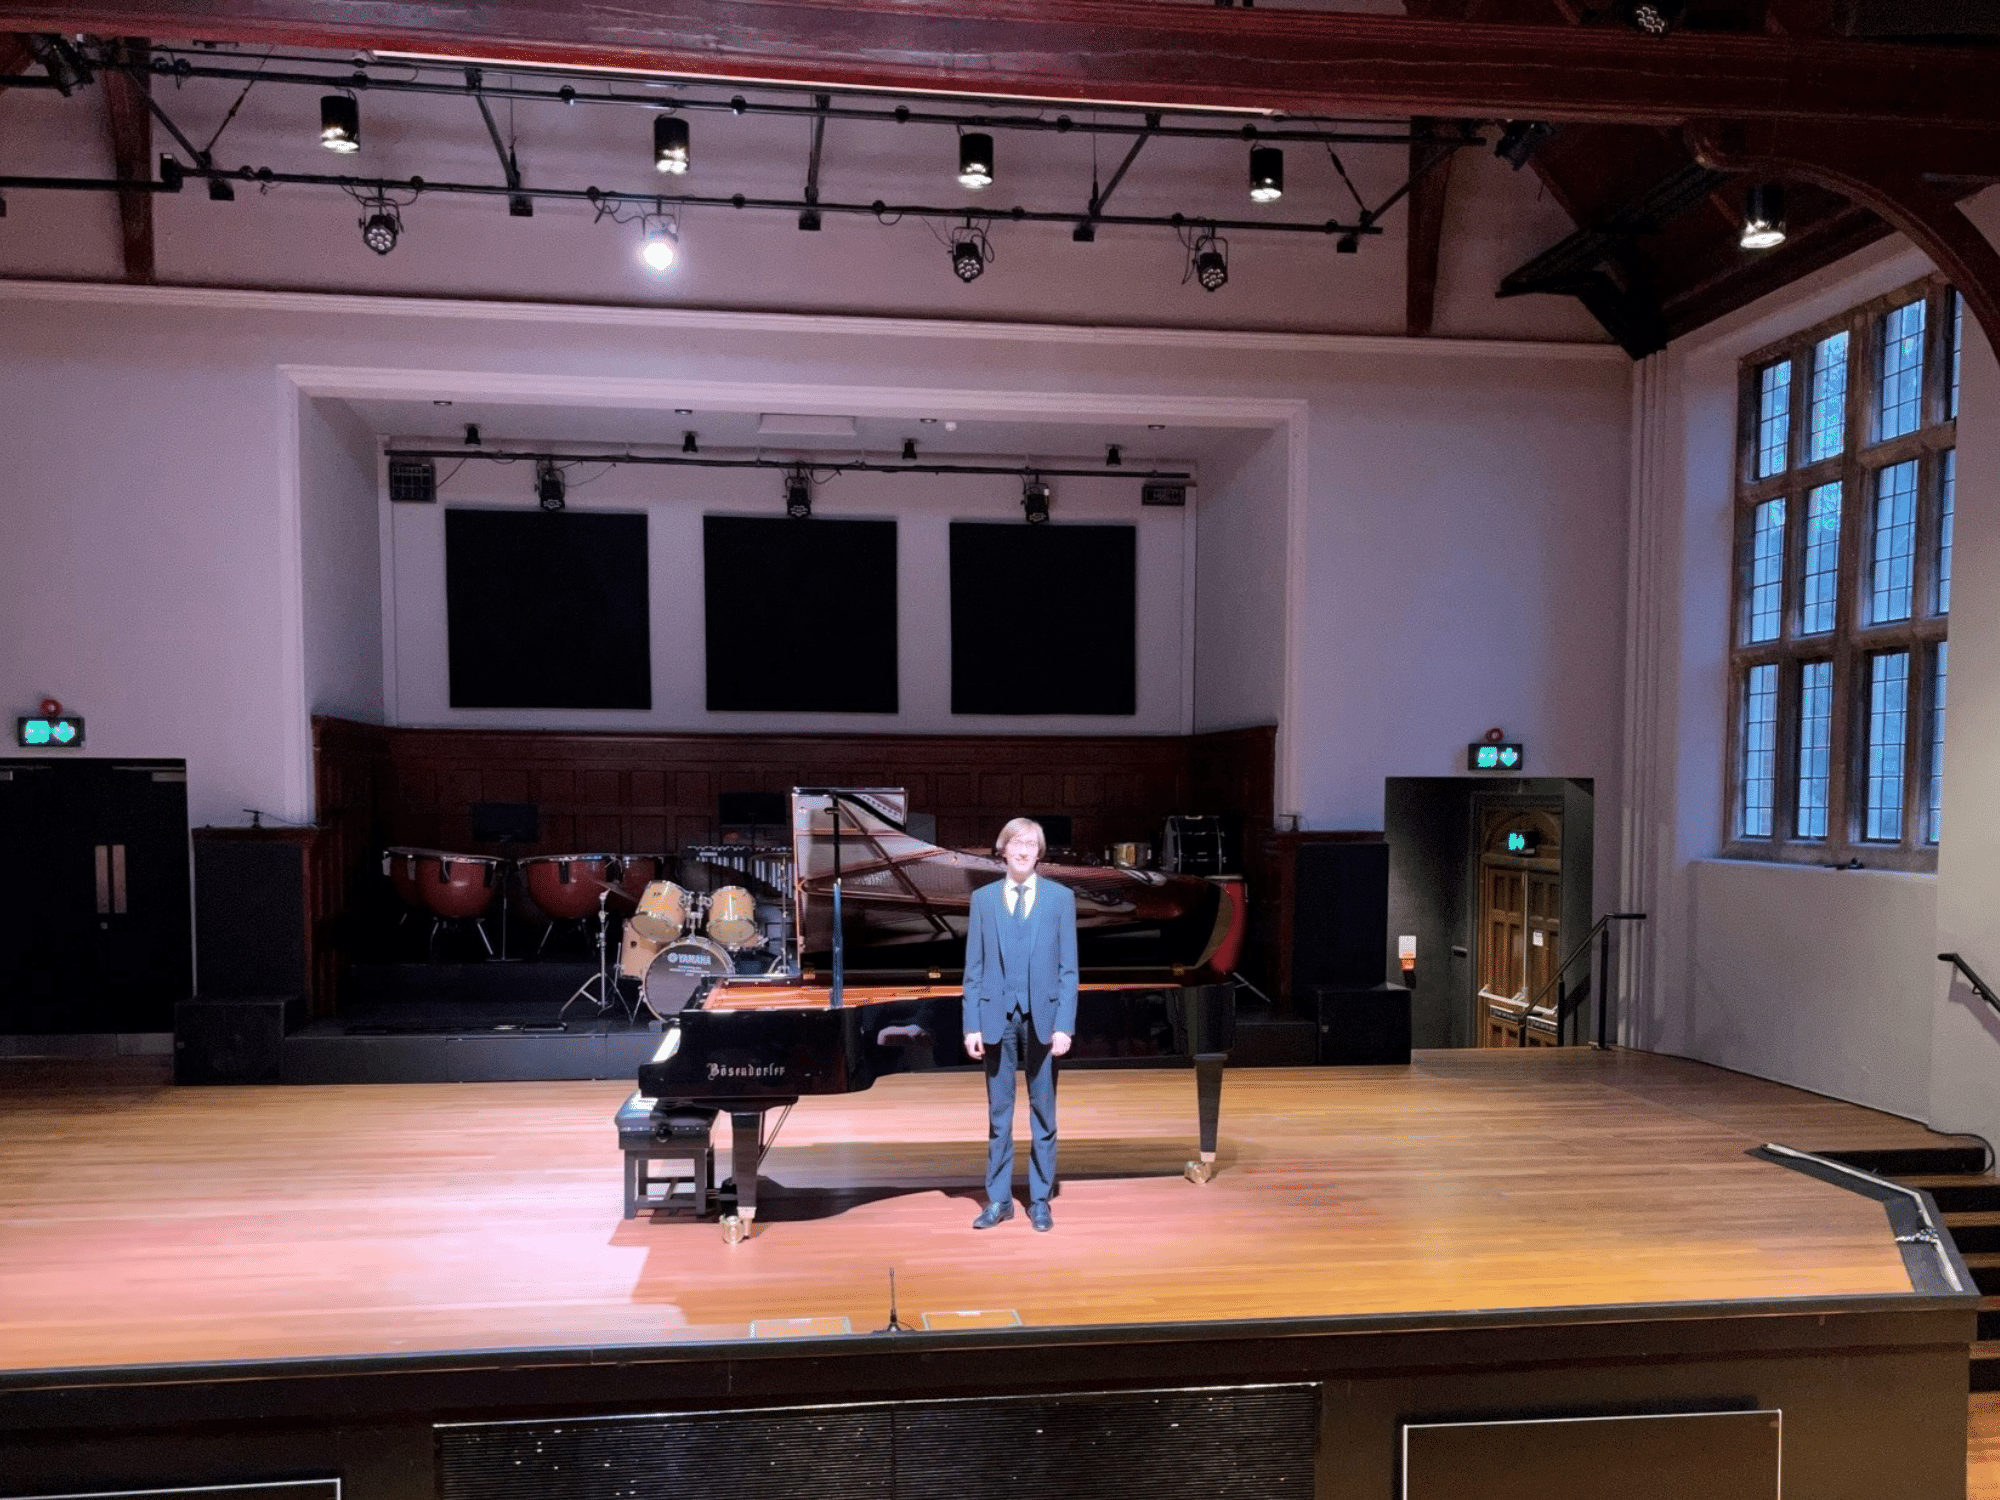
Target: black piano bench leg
<point>746,1147</point>
<point>1208,1102</point>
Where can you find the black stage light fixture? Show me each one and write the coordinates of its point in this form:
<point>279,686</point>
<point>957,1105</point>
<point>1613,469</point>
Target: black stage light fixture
<point>1211,262</point>
<point>472,434</point>
<point>975,160</point>
<point>382,228</point>
<point>549,487</point>
<point>809,218</point>
<point>1114,457</point>
<point>1085,232</point>
<point>967,259</point>
<point>340,123</point>
<point>1521,139</point>
<point>909,450</point>
<point>1655,17</point>
<point>1267,174</point>
<point>688,444</point>
<point>220,191</point>
<point>670,144</point>
<point>799,494</point>
<point>1763,217</point>
<point>1035,500</point>
<point>65,65</point>
<point>3,206</point>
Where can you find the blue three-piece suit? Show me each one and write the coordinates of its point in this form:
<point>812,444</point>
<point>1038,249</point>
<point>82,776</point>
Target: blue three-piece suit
<point>1020,990</point>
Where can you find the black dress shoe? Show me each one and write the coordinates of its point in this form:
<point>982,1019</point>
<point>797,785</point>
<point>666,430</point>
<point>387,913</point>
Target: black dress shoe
<point>1040,1217</point>
<point>995,1213</point>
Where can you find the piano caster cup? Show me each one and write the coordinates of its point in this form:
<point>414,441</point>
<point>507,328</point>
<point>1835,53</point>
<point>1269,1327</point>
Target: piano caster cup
<point>735,1228</point>
<point>1199,1171</point>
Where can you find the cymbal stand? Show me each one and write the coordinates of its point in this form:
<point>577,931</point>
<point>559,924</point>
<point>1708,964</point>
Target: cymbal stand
<point>597,989</point>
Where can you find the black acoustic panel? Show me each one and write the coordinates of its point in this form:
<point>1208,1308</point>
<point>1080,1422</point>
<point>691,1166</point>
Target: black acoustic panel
<point>233,1041</point>
<point>249,918</point>
<point>547,609</point>
<point>1340,914</point>
<point>1214,1444</point>
<point>1364,1025</point>
<point>1044,619</point>
<point>800,615</point>
<point>1715,1455</point>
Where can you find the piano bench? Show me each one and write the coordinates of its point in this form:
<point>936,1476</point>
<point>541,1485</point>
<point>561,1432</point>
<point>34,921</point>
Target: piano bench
<point>649,1132</point>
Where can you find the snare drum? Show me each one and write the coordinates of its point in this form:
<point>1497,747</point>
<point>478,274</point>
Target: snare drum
<point>732,917</point>
<point>565,886</point>
<point>677,971</point>
<point>663,913</point>
<point>635,955</point>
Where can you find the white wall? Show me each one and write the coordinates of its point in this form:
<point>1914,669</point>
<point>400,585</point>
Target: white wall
<point>674,502</point>
<point>1826,979</point>
<point>1453,555</point>
<point>1239,666</point>
<point>340,551</point>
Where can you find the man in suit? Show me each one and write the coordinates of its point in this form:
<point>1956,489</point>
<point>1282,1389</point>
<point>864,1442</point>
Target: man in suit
<point>1020,1012</point>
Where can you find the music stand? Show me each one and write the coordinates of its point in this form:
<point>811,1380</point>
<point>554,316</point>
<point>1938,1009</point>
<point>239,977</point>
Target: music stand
<point>506,824</point>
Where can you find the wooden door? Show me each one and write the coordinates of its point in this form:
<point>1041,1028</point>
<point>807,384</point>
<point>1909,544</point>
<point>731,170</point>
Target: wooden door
<point>1520,920</point>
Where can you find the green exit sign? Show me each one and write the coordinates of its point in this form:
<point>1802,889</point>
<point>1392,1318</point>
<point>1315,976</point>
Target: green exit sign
<point>1524,841</point>
<point>1484,757</point>
<point>63,732</point>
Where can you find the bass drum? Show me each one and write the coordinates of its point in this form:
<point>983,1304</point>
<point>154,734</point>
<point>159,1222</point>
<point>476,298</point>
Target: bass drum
<point>732,917</point>
<point>677,971</point>
<point>663,913</point>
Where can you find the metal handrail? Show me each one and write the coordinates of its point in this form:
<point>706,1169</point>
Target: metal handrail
<point>1979,986</point>
<point>1601,930</point>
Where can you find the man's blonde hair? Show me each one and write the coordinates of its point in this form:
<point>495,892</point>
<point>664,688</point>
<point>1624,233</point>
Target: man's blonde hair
<point>1019,826</point>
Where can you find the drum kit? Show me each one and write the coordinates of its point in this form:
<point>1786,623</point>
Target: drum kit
<point>672,937</point>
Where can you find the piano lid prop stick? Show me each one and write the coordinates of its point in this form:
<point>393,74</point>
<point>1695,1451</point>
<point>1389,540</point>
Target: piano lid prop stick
<point>835,996</point>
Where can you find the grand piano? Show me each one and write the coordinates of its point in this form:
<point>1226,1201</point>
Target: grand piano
<point>870,986</point>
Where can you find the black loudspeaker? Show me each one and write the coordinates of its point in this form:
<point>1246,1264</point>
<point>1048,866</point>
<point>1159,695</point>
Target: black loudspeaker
<point>249,918</point>
<point>233,1041</point>
<point>1340,915</point>
<point>1363,1024</point>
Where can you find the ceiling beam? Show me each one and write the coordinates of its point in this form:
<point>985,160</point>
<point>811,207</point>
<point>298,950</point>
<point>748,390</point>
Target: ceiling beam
<point>1430,180</point>
<point>1129,51</point>
<point>1881,171</point>
<point>130,118</point>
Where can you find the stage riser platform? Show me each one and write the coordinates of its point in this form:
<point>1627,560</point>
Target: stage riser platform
<point>468,1058</point>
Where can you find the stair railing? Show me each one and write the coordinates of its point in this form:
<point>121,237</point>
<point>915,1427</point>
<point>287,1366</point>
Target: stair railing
<point>1979,986</point>
<point>1601,931</point>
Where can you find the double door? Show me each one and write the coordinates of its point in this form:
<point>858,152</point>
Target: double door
<point>95,923</point>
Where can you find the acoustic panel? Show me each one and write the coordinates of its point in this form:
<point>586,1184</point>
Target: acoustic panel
<point>547,609</point>
<point>1044,619</point>
<point>1213,1444</point>
<point>800,615</point>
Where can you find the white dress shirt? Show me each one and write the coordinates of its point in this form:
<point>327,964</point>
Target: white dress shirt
<point>1025,891</point>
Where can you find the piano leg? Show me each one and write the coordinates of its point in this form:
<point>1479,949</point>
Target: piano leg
<point>1208,1103</point>
<point>746,1147</point>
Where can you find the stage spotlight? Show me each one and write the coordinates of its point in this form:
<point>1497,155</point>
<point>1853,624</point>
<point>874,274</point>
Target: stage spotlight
<point>688,444</point>
<point>670,144</point>
<point>1210,263</point>
<point>549,486</point>
<point>909,450</point>
<point>1114,458</point>
<point>3,207</point>
<point>975,160</point>
<point>1267,174</point>
<point>340,123</point>
<point>967,260</point>
<point>660,247</point>
<point>1520,140</point>
<point>1654,17</point>
<point>381,228</point>
<point>472,434</point>
<point>1763,217</point>
<point>798,494</point>
<point>1035,500</point>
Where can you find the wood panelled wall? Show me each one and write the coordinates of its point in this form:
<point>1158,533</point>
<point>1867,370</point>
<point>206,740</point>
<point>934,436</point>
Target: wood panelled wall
<point>651,793</point>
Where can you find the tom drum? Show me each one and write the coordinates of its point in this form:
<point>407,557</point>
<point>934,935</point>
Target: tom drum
<point>663,913</point>
<point>732,917</point>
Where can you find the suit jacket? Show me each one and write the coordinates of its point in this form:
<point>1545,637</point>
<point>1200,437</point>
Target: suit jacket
<point>1051,961</point>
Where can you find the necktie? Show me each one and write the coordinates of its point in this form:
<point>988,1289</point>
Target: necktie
<point>1021,902</point>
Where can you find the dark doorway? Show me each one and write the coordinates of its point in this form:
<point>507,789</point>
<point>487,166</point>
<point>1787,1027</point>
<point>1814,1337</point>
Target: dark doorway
<point>1480,869</point>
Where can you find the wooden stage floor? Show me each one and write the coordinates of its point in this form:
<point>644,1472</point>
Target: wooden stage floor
<point>145,1224</point>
